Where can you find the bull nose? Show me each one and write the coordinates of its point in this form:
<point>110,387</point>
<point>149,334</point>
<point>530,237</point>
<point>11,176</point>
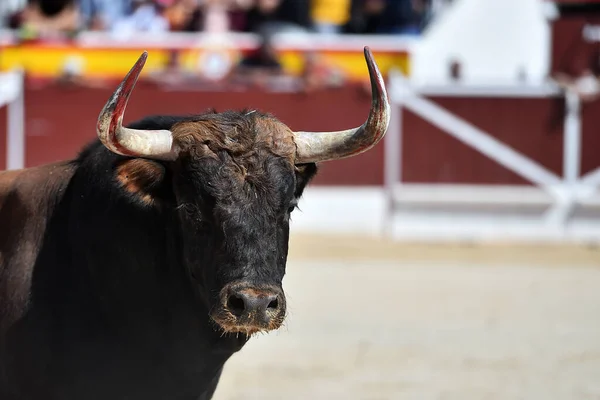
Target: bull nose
<point>254,304</point>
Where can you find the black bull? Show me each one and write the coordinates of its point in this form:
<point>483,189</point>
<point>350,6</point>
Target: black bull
<point>137,269</point>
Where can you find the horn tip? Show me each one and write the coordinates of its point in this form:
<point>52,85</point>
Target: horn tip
<point>138,66</point>
<point>141,59</point>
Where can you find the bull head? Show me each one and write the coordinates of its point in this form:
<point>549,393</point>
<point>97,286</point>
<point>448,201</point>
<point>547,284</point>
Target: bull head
<point>311,146</point>
<point>235,178</point>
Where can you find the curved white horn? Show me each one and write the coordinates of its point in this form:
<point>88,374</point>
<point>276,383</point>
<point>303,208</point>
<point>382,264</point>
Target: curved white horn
<point>155,144</point>
<point>323,146</point>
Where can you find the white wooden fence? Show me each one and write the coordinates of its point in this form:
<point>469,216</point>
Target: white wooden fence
<point>557,208</point>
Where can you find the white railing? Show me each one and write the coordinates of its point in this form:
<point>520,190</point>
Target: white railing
<point>12,96</point>
<point>299,41</point>
<point>544,211</point>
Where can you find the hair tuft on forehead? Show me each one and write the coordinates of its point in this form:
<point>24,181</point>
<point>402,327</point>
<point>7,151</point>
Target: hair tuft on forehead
<point>244,135</point>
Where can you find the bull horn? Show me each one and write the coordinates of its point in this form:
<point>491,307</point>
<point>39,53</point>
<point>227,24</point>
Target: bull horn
<point>323,146</point>
<point>154,144</point>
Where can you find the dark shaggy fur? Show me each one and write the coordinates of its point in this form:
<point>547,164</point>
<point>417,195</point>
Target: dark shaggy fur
<point>111,268</point>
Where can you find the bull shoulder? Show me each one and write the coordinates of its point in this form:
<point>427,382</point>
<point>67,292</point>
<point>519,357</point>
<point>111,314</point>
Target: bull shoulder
<point>27,198</point>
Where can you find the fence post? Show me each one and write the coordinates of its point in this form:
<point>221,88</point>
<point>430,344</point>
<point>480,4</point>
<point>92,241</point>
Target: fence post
<point>572,138</point>
<point>392,172</point>
<point>15,134</point>
<point>562,210</point>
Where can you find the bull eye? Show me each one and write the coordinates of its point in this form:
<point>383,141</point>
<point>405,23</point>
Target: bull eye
<point>292,206</point>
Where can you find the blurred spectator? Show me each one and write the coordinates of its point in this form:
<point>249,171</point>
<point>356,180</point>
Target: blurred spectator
<point>182,15</point>
<point>402,16</point>
<point>364,16</point>
<point>145,17</point>
<point>49,18</point>
<point>7,9</point>
<point>387,16</point>
<point>279,15</point>
<point>44,17</point>
<point>329,16</point>
<point>264,59</point>
<point>102,14</point>
<point>216,16</point>
<point>260,66</point>
<point>206,15</point>
<point>238,14</point>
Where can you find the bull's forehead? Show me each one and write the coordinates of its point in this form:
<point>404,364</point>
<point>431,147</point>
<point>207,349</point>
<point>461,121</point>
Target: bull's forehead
<point>241,158</point>
<point>244,136</point>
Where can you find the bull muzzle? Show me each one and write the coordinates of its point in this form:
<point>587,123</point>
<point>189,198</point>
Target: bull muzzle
<point>248,309</point>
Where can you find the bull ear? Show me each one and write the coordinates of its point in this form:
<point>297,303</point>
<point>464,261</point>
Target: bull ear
<point>304,174</point>
<point>141,179</point>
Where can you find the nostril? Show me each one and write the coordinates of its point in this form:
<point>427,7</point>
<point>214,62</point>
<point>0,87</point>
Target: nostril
<point>236,305</point>
<point>274,304</point>
<point>253,304</point>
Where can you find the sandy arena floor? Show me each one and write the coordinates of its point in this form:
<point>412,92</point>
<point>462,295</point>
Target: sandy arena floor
<point>376,320</point>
